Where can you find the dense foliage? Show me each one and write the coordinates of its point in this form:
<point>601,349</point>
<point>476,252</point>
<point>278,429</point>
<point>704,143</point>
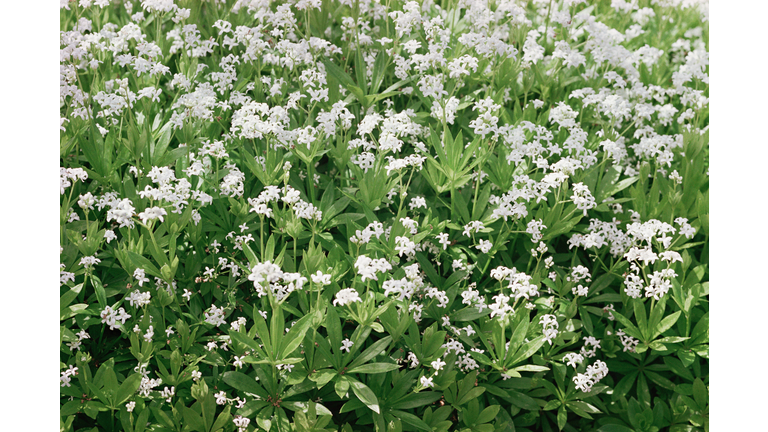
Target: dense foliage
<point>324,215</point>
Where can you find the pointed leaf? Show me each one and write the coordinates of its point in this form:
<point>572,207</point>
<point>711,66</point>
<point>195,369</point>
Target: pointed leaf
<point>365,394</point>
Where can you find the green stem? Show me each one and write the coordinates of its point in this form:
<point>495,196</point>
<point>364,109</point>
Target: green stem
<point>261,237</point>
<point>310,182</point>
<point>295,263</point>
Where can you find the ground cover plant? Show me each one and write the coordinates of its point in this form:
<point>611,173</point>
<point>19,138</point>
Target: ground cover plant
<point>359,215</point>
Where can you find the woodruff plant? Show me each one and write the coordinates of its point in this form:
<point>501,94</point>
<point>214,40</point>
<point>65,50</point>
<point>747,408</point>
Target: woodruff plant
<point>391,216</point>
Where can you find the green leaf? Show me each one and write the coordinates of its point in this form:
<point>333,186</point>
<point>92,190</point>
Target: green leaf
<point>429,269</point>
<point>162,416</point>
<point>142,262</point>
<point>223,419</point>
<point>141,421</point>
<point>586,320</point>
<point>521,330</point>
<point>159,148</point>
<point>614,428</point>
<point>629,328</point>
<point>659,380</point>
<point>93,148</point>
<point>531,368</point>
<point>607,183</point>
<point>471,394</point>
<point>365,394</point>
<point>244,383</point>
<point>415,400</point>
<point>252,260</point>
<point>344,79</point>
<point>562,417</point>
<point>379,68</point>
<point>676,366</point>
<point>488,414</point>
<point>101,295</point>
<point>193,419</point>
<point>700,393</point>
<point>69,296</point>
<point>640,316</point>
<point>374,368</point>
<point>527,350</point>
<point>262,330</point>
<point>264,418</point>
<point>411,419</point>
<point>583,409</point>
<point>372,351</point>
<point>666,324</point>
<point>322,377</point>
<point>333,326</point>
<point>622,388</point>
<point>295,335</point>
<point>360,69</point>
<point>469,313</point>
<point>700,333</point>
<point>245,340</point>
<point>69,408</point>
<point>620,186</point>
<point>522,400</point>
<point>127,389</point>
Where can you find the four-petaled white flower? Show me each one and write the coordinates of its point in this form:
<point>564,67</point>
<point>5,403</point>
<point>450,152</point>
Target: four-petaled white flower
<point>346,296</point>
<point>484,246</point>
<point>427,382</point>
<point>438,364</point>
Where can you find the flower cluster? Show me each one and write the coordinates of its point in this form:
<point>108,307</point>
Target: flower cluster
<point>324,192</point>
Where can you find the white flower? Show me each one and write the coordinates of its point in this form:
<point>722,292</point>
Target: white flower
<point>574,359</point>
<point>89,261</point>
<point>168,393</point>
<point>130,406</point>
<point>443,239</point>
<point>110,317</point>
<point>321,279</point>
<point>139,299</point>
<point>405,246</point>
<point>473,227</point>
<point>427,382</point>
<point>287,367</point>
<point>413,359</point>
<point>346,296</point>
<point>140,277</point>
<point>346,344</point>
<point>417,202</point>
<point>580,291</point>
<point>484,246</point>
<point>671,256</point>
<point>437,365</point>
<point>66,376</point>
<point>241,423</point>
<point>676,177</point>
<point>367,267</point>
<point>583,382</point>
<point>583,198</point>
<point>152,214</point>
<point>215,316</point>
